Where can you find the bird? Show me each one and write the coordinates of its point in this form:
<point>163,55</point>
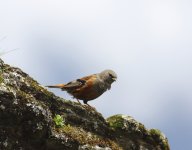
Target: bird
<point>89,87</point>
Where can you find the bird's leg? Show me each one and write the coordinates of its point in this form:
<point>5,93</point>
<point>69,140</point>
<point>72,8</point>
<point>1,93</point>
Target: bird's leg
<point>78,101</point>
<point>89,106</point>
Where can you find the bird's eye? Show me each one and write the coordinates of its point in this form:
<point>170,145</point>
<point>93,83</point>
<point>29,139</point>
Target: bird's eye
<point>111,75</point>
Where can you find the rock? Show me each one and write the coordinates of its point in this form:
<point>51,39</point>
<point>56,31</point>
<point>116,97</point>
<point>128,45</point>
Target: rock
<point>27,114</point>
<point>133,135</point>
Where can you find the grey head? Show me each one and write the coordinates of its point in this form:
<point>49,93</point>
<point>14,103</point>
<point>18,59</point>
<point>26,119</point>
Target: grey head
<point>108,77</point>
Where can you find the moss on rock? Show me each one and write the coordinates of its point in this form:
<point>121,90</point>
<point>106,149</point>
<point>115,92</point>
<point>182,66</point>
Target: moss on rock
<point>136,132</point>
<point>160,137</point>
<point>83,137</point>
<point>116,122</point>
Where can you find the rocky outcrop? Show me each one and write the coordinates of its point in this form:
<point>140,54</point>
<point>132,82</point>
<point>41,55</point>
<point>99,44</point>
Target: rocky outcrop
<point>32,118</point>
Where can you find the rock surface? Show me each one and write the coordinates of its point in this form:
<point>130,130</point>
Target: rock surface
<point>27,121</point>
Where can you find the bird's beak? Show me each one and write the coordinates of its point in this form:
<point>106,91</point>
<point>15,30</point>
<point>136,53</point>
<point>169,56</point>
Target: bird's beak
<point>114,79</point>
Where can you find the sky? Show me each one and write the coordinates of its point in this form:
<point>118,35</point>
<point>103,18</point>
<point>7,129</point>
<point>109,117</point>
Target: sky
<point>146,42</point>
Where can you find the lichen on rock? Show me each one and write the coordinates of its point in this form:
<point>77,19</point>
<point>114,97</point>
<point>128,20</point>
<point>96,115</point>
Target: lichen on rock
<point>27,112</point>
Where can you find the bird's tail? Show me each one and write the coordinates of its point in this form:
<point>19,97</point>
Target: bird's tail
<point>56,86</point>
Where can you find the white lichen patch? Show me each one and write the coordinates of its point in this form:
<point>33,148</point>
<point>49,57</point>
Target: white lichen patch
<point>3,87</point>
<point>96,125</point>
<point>5,143</point>
<point>15,102</point>
<point>39,126</point>
<point>36,108</point>
<point>88,147</point>
<point>62,137</point>
<point>2,107</point>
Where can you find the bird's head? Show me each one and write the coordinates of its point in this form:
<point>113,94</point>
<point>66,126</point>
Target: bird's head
<point>109,76</point>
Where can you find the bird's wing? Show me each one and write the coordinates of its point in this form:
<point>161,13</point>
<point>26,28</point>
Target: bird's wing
<point>79,82</point>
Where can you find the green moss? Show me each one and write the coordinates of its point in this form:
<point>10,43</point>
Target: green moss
<point>1,78</point>
<point>160,138</point>
<point>69,101</point>
<point>34,84</point>
<point>155,132</point>
<point>23,94</point>
<point>116,122</point>
<point>36,87</point>
<point>84,137</point>
<point>1,74</point>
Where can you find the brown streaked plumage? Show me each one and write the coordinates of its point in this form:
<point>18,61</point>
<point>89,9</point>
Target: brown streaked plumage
<point>89,87</point>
